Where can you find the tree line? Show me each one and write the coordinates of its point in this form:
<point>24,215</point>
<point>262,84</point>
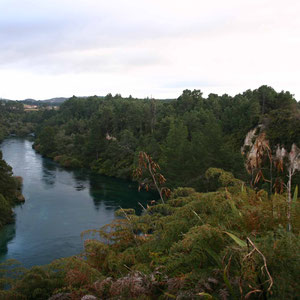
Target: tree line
<point>235,239</point>
<point>185,136</point>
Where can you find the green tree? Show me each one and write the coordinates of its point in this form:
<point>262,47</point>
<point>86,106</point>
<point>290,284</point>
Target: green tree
<point>175,152</point>
<point>7,182</point>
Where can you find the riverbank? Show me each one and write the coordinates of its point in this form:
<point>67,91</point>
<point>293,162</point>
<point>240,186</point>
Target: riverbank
<point>67,161</point>
<point>10,192</point>
<point>60,204</point>
<point>19,197</point>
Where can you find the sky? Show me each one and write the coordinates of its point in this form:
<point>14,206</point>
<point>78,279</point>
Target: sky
<point>60,48</point>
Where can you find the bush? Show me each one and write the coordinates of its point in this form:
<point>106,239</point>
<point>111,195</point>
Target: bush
<point>6,213</point>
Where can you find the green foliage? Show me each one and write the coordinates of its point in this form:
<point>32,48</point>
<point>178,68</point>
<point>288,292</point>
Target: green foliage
<point>46,139</point>
<point>195,244</point>
<point>185,136</point>
<point>6,214</point>
<point>283,127</point>
<point>199,248</point>
<point>182,192</point>
<point>124,212</point>
<point>216,244</point>
<point>174,152</point>
<point>236,239</point>
<point>295,197</point>
<point>10,192</point>
<point>219,178</point>
<point>67,161</point>
<point>8,184</point>
<point>13,119</point>
<point>37,283</point>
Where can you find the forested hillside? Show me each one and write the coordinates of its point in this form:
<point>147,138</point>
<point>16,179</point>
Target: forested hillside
<point>10,192</point>
<point>13,119</point>
<point>230,234</point>
<point>11,122</point>
<point>186,136</point>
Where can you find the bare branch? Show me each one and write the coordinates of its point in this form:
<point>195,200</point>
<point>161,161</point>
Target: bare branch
<point>264,267</point>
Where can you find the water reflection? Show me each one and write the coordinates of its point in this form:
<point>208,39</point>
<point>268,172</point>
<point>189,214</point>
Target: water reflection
<point>60,204</point>
<point>81,179</point>
<point>114,193</point>
<point>6,235</point>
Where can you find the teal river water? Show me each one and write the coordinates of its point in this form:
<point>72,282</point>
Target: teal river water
<point>60,204</point>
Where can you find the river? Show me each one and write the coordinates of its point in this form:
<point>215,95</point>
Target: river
<point>60,204</point>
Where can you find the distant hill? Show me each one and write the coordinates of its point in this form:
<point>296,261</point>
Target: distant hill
<point>52,101</point>
<point>59,100</point>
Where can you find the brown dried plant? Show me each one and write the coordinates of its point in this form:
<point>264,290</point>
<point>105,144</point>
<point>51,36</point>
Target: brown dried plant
<point>146,166</point>
<point>256,157</point>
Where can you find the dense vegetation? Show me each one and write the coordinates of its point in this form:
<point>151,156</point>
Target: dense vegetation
<point>227,244</point>
<point>230,234</point>
<point>13,120</point>
<point>10,192</point>
<point>185,136</point>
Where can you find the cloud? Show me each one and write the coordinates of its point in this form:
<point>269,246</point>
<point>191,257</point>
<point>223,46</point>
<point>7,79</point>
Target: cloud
<point>190,84</point>
<point>144,47</point>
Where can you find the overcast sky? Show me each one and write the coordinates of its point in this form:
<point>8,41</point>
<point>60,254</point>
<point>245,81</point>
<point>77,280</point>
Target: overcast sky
<point>52,48</point>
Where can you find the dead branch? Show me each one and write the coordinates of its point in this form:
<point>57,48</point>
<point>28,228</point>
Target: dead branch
<point>264,267</point>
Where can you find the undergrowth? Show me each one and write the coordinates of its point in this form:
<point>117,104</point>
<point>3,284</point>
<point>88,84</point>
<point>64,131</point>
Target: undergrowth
<point>227,244</point>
